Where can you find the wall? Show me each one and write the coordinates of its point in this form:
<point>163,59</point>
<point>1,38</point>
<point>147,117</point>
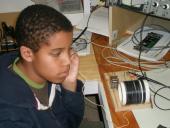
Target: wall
<point>13,5</point>
<point>9,18</point>
<point>9,10</point>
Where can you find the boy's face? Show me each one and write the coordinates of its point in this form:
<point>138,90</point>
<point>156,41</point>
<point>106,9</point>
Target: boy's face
<point>52,61</point>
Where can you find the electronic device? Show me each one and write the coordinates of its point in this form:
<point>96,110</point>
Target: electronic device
<point>117,83</point>
<point>154,44</point>
<point>65,6</point>
<point>148,42</point>
<point>74,10</point>
<point>128,4</point>
<point>158,8</point>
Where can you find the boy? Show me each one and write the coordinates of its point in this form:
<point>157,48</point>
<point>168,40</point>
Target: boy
<point>28,96</point>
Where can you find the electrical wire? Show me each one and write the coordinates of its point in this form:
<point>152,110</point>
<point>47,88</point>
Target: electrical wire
<point>161,48</point>
<point>115,63</point>
<point>84,82</point>
<point>84,30</point>
<point>134,39</point>
<point>149,79</point>
<point>132,62</point>
<point>163,86</point>
<point>120,56</point>
<point>102,106</point>
<point>156,93</point>
<point>140,44</point>
<point>160,94</point>
<point>121,59</point>
<point>144,75</point>
<point>140,51</point>
<point>160,26</point>
<point>87,25</point>
<point>81,44</point>
<point>75,39</point>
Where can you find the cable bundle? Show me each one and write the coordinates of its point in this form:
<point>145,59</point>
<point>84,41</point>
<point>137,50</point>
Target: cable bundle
<point>134,92</point>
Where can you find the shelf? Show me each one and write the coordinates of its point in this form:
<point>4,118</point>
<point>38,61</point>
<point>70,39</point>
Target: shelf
<point>126,21</point>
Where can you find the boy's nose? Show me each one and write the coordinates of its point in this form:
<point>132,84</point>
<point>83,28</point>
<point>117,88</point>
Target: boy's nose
<point>66,60</point>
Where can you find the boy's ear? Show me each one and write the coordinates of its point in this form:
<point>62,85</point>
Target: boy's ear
<point>26,53</point>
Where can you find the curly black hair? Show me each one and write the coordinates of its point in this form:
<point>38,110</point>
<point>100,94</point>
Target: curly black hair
<point>36,23</point>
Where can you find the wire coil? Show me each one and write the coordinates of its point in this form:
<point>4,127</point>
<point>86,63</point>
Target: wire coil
<point>134,92</point>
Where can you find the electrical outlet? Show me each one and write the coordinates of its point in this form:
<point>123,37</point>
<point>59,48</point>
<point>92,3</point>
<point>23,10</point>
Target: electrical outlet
<point>114,34</point>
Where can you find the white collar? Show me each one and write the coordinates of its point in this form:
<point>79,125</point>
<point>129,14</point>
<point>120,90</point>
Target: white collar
<point>51,97</point>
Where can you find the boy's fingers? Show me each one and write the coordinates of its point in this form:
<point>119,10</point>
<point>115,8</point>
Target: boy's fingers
<point>72,52</point>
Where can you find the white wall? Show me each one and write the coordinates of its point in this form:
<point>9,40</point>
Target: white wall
<point>13,5</point>
<point>18,5</point>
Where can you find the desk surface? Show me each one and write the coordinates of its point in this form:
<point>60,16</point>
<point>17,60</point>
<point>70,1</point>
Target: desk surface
<point>103,67</point>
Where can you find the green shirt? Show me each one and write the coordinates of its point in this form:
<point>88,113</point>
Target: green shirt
<point>39,90</point>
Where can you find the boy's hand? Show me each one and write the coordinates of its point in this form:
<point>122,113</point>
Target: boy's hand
<point>70,83</point>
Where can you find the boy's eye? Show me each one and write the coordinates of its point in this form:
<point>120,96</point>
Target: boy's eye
<point>56,53</point>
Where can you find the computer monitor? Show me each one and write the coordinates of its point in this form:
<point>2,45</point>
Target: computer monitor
<point>73,9</point>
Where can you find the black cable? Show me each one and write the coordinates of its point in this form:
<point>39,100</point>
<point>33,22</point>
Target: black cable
<point>141,43</point>
<point>148,79</point>
<point>156,93</point>
<point>134,39</point>
<point>87,25</point>
<point>78,37</point>
<point>139,65</point>
<point>77,46</point>
<point>138,32</point>
<point>75,39</point>
<point>159,94</point>
<point>153,81</point>
<point>160,26</point>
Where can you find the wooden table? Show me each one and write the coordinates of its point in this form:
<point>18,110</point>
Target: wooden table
<point>118,118</point>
